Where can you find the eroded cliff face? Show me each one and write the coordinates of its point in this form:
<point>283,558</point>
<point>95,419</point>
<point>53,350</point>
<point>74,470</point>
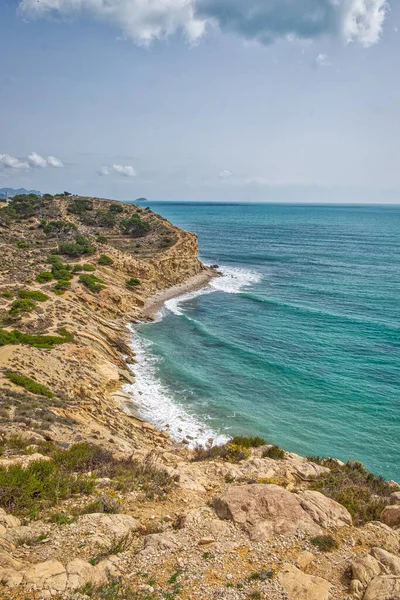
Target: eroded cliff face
<point>83,374</point>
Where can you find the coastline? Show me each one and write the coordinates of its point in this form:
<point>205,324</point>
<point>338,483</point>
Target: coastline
<point>196,282</point>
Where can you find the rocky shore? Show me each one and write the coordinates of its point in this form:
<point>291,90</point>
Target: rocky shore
<point>96,503</point>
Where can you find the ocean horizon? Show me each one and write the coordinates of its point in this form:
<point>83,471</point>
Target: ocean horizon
<point>298,340</point>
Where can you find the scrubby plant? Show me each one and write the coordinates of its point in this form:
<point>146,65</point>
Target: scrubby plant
<point>248,442</point>
<point>60,518</point>
<point>21,306</point>
<point>274,452</point>
<point>7,294</point>
<point>23,245</point>
<point>105,260</point>
<point>15,337</point>
<point>85,267</point>
<point>325,543</point>
<point>133,282</point>
<point>80,247</point>
<point>29,384</point>
<point>116,208</point>
<point>62,286</point>
<point>364,494</point>
<point>58,227</point>
<point>44,277</point>
<point>106,218</point>
<point>101,239</point>
<point>25,205</point>
<point>93,283</point>
<point>230,452</point>
<point>78,206</point>
<point>134,226</point>
<point>33,295</point>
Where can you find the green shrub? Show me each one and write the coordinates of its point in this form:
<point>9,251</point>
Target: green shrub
<point>21,306</point>
<point>25,205</point>
<point>248,442</point>
<point>7,294</point>
<point>364,494</point>
<point>93,283</point>
<point>78,206</point>
<point>116,208</point>
<point>23,245</point>
<point>101,239</point>
<point>105,260</point>
<point>82,457</point>
<point>134,226</point>
<point>105,218</point>
<point>133,282</point>
<point>80,268</point>
<point>15,337</point>
<point>274,452</point>
<point>80,247</point>
<point>60,518</point>
<point>33,295</point>
<point>58,227</point>
<point>44,277</point>
<point>230,452</point>
<point>325,543</point>
<point>62,286</point>
<point>41,484</point>
<point>29,384</point>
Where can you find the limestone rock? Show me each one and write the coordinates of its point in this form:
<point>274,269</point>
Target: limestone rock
<point>390,561</point>
<point>383,588</point>
<point>365,568</point>
<point>309,471</point>
<point>357,589</point>
<point>304,559</point>
<point>160,541</point>
<point>379,534</point>
<point>81,573</point>
<point>9,562</point>
<point>8,521</point>
<point>10,577</point>
<point>49,575</point>
<point>264,511</point>
<point>324,511</point>
<point>391,515</point>
<point>117,525</point>
<point>395,498</point>
<point>300,586</point>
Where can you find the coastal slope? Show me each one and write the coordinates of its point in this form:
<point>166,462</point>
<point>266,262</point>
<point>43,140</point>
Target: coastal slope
<point>95,502</point>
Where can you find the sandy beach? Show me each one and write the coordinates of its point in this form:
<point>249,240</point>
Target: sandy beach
<point>155,303</point>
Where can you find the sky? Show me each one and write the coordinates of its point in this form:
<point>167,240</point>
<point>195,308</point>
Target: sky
<point>202,100</point>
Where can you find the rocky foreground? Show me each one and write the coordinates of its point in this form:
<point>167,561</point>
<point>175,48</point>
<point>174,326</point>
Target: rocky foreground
<point>96,503</point>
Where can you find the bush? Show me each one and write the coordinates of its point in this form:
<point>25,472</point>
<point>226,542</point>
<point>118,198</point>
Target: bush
<point>116,208</point>
<point>25,205</point>
<point>230,452</point>
<point>248,442</point>
<point>82,457</point>
<point>15,337</point>
<point>33,295</point>
<point>101,239</point>
<point>21,306</point>
<point>58,227</point>
<point>23,245</point>
<point>80,247</point>
<point>106,218</point>
<point>62,286</point>
<point>29,384</point>
<point>325,543</point>
<point>134,226</point>
<point>41,484</point>
<point>80,268</point>
<point>77,206</point>
<point>105,260</point>
<point>44,277</point>
<point>274,452</point>
<point>93,283</point>
<point>61,273</point>
<point>7,294</point>
<point>364,494</point>
<point>133,282</point>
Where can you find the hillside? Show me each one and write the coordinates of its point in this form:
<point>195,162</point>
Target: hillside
<point>95,503</point>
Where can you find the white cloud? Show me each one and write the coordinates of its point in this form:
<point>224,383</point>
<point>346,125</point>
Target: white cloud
<point>322,60</point>
<point>125,170</point>
<point>55,162</point>
<point>225,174</point>
<point>261,20</point>
<point>37,161</point>
<point>11,162</point>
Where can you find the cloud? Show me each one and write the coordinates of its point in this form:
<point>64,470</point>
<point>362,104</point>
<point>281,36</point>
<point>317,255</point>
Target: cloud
<point>123,170</point>
<point>264,21</point>
<point>225,174</point>
<point>37,161</point>
<point>55,162</point>
<point>322,60</point>
<point>11,162</point>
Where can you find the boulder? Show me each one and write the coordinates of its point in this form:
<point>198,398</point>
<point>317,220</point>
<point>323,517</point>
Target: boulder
<point>386,587</point>
<point>390,561</point>
<point>304,559</point>
<point>8,521</point>
<point>49,575</point>
<point>160,541</point>
<point>357,589</point>
<point>378,534</point>
<point>264,510</point>
<point>9,562</point>
<point>309,471</point>
<point>10,577</point>
<point>365,568</point>
<point>391,515</point>
<point>117,525</point>
<point>324,511</point>
<point>395,498</point>
<point>300,586</point>
<point>81,573</point>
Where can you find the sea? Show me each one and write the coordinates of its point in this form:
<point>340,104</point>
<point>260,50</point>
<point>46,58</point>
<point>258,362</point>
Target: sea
<point>298,341</point>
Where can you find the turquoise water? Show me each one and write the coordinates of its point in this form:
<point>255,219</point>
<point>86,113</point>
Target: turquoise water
<point>299,341</point>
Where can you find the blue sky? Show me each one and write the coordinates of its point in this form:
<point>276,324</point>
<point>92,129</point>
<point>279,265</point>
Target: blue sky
<point>241,100</point>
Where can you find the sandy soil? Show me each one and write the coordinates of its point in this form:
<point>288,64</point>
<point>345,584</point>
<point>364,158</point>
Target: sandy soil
<point>155,303</point>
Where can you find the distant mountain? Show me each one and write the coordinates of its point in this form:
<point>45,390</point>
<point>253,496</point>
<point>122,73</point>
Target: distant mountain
<point>14,192</point>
